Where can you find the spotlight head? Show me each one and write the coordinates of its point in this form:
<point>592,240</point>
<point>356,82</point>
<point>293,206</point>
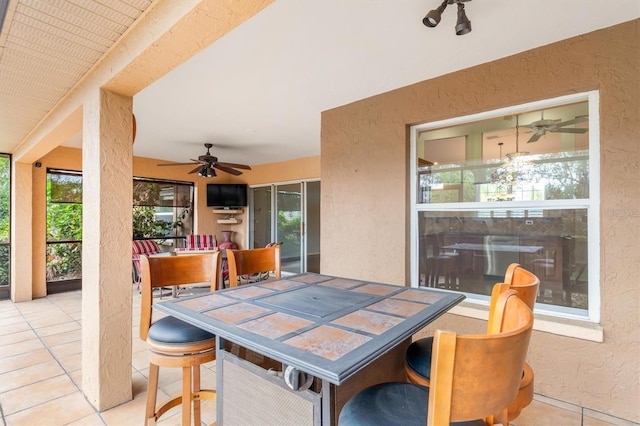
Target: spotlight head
<point>463,25</point>
<point>432,19</point>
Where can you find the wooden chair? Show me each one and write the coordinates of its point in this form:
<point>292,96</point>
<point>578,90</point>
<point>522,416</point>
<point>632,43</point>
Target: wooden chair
<point>172,342</point>
<point>419,354</point>
<point>474,378</point>
<point>244,263</point>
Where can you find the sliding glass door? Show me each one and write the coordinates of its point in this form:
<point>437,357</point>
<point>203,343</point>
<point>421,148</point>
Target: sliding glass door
<point>290,214</point>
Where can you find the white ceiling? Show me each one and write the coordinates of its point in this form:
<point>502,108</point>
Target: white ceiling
<point>258,92</point>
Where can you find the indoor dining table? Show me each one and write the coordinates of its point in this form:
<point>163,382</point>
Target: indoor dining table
<point>326,338</point>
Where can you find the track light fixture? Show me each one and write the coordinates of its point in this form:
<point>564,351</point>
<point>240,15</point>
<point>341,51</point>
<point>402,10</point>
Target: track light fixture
<point>463,25</point>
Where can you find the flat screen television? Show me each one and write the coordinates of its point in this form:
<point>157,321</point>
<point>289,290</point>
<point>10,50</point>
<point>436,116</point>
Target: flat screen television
<point>226,195</point>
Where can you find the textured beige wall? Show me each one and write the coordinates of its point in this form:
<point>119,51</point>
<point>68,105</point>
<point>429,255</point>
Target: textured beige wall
<point>21,229</point>
<point>365,202</point>
<point>106,247</point>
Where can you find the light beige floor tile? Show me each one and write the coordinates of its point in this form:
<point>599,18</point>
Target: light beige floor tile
<point>19,348</point>
<point>91,420</point>
<point>76,376</point>
<point>130,413</point>
<point>60,411</point>
<point>58,328</point>
<point>9,313</point>
<point>541,414</point>
<point>138,384</point>
<point>29,375</point>
<point>35,394</point>
<point>20,336</point>
<point>595,418</point>
<point>66,349</point>
<point>60,338</point>
<point>49,321</point>
<point>7,329</point>
<point>71,363</point>
<point>21,361</point>
<point>15,319</point>
<point>140,360</point>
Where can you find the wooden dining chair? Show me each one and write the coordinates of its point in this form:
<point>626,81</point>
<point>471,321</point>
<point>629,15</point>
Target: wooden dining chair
<point>419,354</point>
<point>253,264</point>
<point>474,378</point>
<point>172,342</point>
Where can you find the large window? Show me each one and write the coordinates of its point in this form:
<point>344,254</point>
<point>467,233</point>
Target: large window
<point>162,210</point>
<point>513,185</point>
<point>5,231</point>
<point>64,230</point>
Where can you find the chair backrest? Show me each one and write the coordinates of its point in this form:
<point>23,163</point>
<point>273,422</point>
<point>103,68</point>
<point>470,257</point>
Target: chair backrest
<point>195,242</point>
<point>172,271</point>
<point>478,376</point>
<point>524,282</point>
<point>253,261</point>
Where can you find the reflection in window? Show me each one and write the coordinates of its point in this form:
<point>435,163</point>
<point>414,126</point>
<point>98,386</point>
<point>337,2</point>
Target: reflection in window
<point>476,213</point>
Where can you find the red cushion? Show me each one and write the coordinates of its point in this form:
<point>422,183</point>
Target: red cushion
<point>145,247</point>
<point>201,242</point>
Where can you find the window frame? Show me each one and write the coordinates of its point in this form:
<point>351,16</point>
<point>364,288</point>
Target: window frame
<point>591,204</point>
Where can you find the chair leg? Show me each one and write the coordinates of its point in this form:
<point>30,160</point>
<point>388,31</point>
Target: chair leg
<point>152,392</point>
<point>196,389</point>
<point>186,396</point>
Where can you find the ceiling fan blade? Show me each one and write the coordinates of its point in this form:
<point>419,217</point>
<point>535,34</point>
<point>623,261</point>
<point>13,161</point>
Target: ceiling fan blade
<point>197,169</point>
<point>173,164</point>
<point>234,165</point>
<point>227,169</point>
<point>579,130</point>
<point>535,137</point>
<point>574,121</point>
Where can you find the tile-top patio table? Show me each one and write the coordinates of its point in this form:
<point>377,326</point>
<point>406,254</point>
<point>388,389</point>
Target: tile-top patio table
<point>333,336</point>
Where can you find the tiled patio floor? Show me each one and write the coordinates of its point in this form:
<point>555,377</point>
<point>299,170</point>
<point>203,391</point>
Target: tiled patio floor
<point>41,376</point>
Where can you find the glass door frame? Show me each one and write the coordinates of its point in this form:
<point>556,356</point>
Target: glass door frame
<point>274,218</point>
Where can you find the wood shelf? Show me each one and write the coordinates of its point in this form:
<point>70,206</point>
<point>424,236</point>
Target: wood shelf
<point>228,216</point>
<point>230,221</point>
<point>224,211</point>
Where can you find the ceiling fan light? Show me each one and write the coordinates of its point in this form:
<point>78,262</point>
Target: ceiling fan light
<point>432,19</point>
<point>463,25</point>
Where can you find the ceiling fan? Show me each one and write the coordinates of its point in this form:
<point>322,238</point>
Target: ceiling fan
<point>207,164</point>
<point>542,126</point>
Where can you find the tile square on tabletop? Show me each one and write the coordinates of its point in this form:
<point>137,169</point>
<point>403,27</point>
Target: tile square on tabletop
<point>317,301</point>
<point>281,285</point>
<point>275,325</point>
<point>310,278</point>
<point>237,312</point>
<point>379,289</point>
<point>424,296</point>
<point>247,292</point>
<point>342,283</point>
<point>370,322</point>
<point>328,342</point>
<point>206,302</point>
<point>397,307</point>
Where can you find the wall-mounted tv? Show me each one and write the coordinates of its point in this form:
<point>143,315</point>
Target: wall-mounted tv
<point>227,195</point>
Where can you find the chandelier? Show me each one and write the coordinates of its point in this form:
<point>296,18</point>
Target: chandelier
<point>517,170</point>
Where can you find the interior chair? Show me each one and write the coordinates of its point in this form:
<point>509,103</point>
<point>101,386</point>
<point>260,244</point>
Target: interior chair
<point>418,358</point>
<point>253,264</point>
<point>474,378</point>
<point>198,242</point>
<point>435,264</point>
<point>172,342</point>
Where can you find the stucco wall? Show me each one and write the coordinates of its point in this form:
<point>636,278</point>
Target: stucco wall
<point>365,202</point>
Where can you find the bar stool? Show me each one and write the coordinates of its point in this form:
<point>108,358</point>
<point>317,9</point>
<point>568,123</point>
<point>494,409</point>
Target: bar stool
<point>172,342</point>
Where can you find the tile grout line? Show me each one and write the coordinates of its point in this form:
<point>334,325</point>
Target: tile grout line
<point>48,349</point>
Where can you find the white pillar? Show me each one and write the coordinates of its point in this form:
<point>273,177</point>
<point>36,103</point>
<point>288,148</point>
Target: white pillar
<point>106,249</point>
<point>21,233</point>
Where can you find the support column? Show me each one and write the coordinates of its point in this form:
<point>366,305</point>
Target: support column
<point>106,249</point>
<point>21,233</point>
